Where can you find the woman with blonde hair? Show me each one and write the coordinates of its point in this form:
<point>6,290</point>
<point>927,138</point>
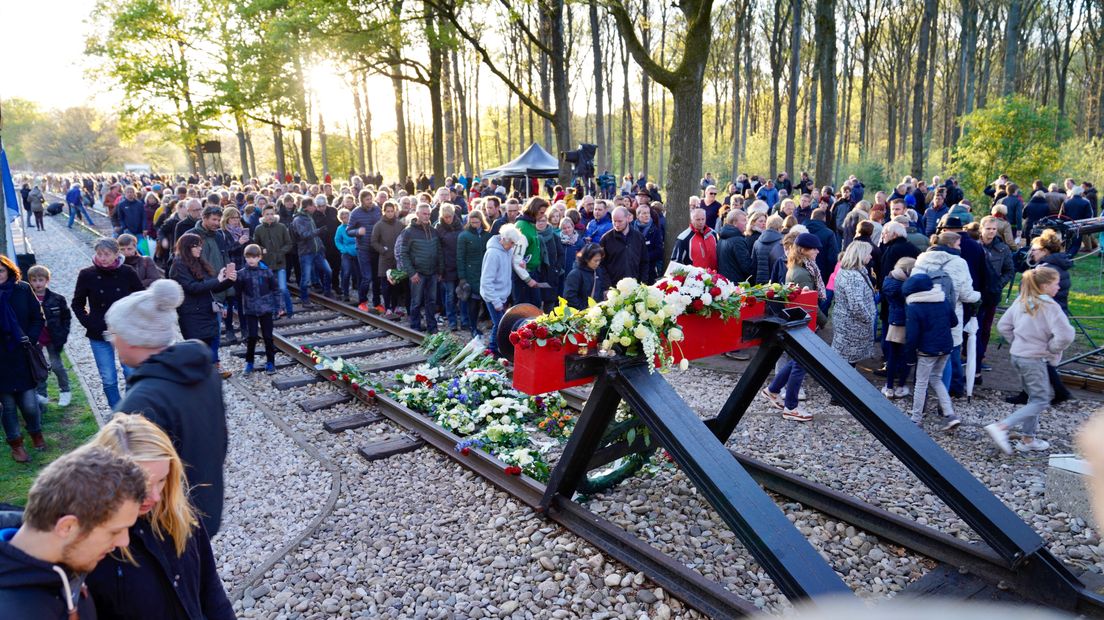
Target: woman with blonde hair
<point>1039,332</point>
<point>853,307</point>
<point>168,570</point>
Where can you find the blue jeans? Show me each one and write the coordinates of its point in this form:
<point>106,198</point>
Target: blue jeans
<point>104,354</point>
<point>26,402</point>
<point>954,375</point>
<point>791,377</point>
<point>308,265</point>
<point>281,281</point>
<point>423,299</point>
<point>450,302</point>
<point>496,318</point>
<point>84,213</point>
<point>367,263</point>
<point>350,273</point>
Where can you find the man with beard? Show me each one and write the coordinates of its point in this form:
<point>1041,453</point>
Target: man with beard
<point>78,511</point>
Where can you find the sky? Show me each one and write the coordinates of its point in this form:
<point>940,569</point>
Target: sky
<point>43,42</point>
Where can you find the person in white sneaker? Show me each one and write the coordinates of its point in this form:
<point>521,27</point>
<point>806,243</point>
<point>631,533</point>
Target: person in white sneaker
<point>1039,332</point>
<point>58,318</point>
<point>802,270</point>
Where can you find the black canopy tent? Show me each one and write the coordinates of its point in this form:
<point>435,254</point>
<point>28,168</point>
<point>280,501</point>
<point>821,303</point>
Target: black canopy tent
<point>534,163</point>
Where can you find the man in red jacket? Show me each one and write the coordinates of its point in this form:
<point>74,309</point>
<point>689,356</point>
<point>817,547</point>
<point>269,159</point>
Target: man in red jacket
<point>696,245</point>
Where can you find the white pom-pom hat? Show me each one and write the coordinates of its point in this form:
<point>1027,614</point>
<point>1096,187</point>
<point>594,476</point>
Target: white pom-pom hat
<point>147,318</point>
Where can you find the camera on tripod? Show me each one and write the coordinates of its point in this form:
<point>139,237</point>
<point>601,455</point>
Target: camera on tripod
<point>583,160</point>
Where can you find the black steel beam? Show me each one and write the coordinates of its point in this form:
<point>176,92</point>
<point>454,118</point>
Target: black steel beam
<point>585,439</point>
<point>794,565</point>
<point>1009,536</point>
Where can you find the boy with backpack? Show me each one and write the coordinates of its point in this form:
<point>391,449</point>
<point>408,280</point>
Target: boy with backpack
<point>929,318</point>
<point>260,294</point>
<point>54,337</point>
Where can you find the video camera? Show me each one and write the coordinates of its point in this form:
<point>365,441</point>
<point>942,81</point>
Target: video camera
<point>583,159</point>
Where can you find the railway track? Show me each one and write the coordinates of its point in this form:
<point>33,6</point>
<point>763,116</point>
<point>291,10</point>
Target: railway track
<point>393,346</point>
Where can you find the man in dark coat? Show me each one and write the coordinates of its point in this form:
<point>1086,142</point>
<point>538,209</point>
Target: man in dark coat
<point>829,245</point>
<point>733,249</point>
<point>176,387</point>
<point>63,535</point>
<point>1035,210</point>
<point>626,252</point>
<point>1076,208</point>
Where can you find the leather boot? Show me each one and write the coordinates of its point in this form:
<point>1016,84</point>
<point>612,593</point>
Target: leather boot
<point>37,441</point>
<point>18,453</point>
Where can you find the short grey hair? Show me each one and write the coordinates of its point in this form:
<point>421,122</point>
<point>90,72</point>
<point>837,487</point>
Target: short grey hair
<point>894,229</point>
<point>510,233</point>
<point>106,244</point>
<point>1077,190</point>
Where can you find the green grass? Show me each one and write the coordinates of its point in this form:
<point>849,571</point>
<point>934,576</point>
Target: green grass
<point>64,429</point>
<point>1086,301</point>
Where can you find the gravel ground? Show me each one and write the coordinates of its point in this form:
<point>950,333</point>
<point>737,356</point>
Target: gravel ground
<point>260,515</point>
<point>399,543</point>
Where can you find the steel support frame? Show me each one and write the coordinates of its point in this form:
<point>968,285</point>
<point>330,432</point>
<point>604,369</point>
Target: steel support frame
<point>698,448</point>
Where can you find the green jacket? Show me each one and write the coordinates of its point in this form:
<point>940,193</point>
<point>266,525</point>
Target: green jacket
<point>214,252</point>
<point>276,240</point>
<point>533,252</point>
<point>421,250</point>
<point>470,248</point>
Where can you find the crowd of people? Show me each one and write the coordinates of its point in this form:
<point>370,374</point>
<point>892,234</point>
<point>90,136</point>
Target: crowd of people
<point>904,271</point>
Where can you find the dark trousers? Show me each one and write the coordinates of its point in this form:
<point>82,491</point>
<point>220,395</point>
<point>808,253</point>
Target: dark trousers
<point>38,221</point>
<point>423,300</point>
<point>985,326</point>
<point>367,270</point>
<point>350,274</point>
<point>251,324</point>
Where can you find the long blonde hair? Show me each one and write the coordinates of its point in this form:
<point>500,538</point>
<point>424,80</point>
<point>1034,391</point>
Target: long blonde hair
<point>854,257</point>
<point>1031,287</point>
<point>142,440</point>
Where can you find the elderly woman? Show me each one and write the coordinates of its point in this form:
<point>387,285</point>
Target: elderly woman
<point>853,305</point>
<point>106,281</point>
<point>496,275</point>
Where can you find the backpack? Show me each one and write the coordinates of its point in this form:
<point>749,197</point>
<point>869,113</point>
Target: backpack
<point>943,279</point>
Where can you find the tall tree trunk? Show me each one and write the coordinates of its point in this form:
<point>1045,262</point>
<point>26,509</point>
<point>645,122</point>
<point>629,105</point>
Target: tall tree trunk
<point>448,97</point>
<point>737,66</point>
<point>545,80</point>
<point>462,101</point>
<point>278,145</point>
<point>252,155</point>
<point>825,21</point>
<point>562,112</point>
<point>968,28</point>
<point>361,164</point>
<point>795,74</point>
<point>436,97</point>
<point>1011,46</point>
<point>400,128</point>
<point>369,144</point>
<point>662,170</point>
<point>626,118</point>
<point>322,144</point>
<point>646,90</point>
<point>748,22</point>
<point>603,158</point>
<point>920,83</point>
<point>891,129</point>
<point>243,154</point>
<point>864,103</point>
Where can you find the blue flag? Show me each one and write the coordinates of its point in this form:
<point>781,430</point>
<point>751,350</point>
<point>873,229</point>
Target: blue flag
<point>12,202</point>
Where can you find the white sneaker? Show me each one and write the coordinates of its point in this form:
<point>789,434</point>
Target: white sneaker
<point>888,392</point>
<point>901,391</point>
<point>797,414</point>
<point>64,399</point>
<point>42,400</point>
<point>774,399</point>
<point>1035,445</point>
<point>999,437</point>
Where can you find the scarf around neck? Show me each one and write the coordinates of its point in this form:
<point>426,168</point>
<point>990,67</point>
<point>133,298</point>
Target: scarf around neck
<point>569,239</point>
<point>811,266</point>
<point>112,266</point>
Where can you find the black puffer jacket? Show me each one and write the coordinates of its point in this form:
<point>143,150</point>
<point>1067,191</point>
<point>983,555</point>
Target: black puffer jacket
<point>179,390</point>
<point>197,315</point>
<point>734,255</point>
<point>259,290</point>
<point>30,589</point>
<point>1062,264</point>
<point>163,584</point>
<point>58,318</point>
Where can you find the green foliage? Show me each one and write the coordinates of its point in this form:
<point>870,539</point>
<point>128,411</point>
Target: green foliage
<point>871,172</point>
<point>73,139</point>
<point>1010,136</point>
<point>20,116</point>
<point>64,430</point>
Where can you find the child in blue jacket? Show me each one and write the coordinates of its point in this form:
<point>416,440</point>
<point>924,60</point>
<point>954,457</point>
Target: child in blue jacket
<point>929,317</point>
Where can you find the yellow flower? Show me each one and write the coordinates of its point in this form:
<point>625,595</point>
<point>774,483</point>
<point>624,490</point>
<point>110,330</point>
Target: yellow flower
<point>625,341</point>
